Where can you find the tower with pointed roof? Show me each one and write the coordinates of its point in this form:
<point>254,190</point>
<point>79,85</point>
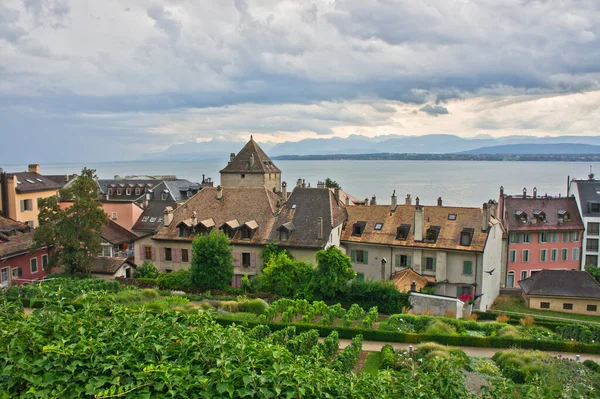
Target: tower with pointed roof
<point>251,167</point>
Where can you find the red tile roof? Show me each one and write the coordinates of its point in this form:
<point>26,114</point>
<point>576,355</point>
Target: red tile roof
<point>15,237</point>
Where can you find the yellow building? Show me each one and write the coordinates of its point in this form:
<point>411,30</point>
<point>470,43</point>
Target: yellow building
<point>21,192</point>
<point>569,291</point>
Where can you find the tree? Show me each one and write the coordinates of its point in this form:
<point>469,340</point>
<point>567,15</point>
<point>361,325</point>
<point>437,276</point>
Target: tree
<point>212,262</point>
<point>272,250</point>
<point>334,270</point>
<point>287,277</point>
<point>146,270</point>
<point>594,271</point>
<point>332,183</point>
<point>72,235</point>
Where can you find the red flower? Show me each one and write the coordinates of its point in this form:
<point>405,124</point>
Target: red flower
<point>466,297</point>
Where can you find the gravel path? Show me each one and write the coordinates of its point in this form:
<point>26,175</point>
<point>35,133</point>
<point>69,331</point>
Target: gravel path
<point>375,346</point>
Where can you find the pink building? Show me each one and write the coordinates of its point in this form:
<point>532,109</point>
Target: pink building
<point>541,233</point>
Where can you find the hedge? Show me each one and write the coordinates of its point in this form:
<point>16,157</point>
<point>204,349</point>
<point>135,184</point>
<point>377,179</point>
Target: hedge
<point>412,338</point>
<point>540,322</point>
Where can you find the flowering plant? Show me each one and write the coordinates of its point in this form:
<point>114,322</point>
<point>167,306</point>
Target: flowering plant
<point>466,298</point>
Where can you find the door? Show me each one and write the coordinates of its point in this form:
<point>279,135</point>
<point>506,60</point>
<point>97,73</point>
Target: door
<point>510,280</point>
<point>4,277</point>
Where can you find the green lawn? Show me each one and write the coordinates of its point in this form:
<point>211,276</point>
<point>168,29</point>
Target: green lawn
<point>514,303</point>
<point>371,365</point>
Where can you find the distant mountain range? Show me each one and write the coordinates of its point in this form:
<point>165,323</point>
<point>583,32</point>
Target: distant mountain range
<point>356,144</point>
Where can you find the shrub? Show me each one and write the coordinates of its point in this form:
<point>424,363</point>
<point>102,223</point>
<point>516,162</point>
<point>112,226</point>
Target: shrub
<point>592,365</point>
<point>518,364</point>
<point>370,318</point>
<point>502,318</point>
<point>174,280</point>
<point>508,332</point>
<point>259,332</point>
<point>346,360</point>
<point>331,344</point>
<point>256,306</point>
<point>229,306</point>
<point>388,356</point>
<point>527,322</point>
<point>367,294</point>
<point>437,327</point>
<point>147,271</point>
<point>442,354</point>
<point>303,343</point>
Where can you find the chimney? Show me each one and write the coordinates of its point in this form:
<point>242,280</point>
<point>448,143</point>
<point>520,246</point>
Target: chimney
<point>419,222</point>
<point>394,201</point>
<point>535,192</point>
<point>299,183</point>
<point>485,218</point>
<point>493,208</point>
<point>251,160</point>
<point>502,191</point>
<point>439,201</point>
<point>408,200</point>
<point>320,228</point>
<point>34,168</point>
<point>591,175</point>
<point>219,192</point>
<point>417,201</point>
<point>320,184</point>
<point>347,200</point>
<point>366,202</point>
<point>413,287</point>
<point>303,183</point>
<point>284,190</point>
<point>168,218</point>
<point>194,218</point>
<point>524,192</point>
<point>373,200</point>
<point>336,194</point>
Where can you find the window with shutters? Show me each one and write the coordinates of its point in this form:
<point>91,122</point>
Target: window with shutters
<point>17,272</point>
<point>544,237</point>
<point>565,236</point>
<point>168,254</point>
<point>526,237</point>
<point>543,255</point>
<point>525,255</point>
<point>185,255</point>
<point>44,262</point>
<point>26,205</point>
<point>554,255</point>
<point>574,236</point>
<point>402,261</point>
<point>246,259</point>
<point>360,256</point>
<point>512,255</point>
<point>148,253</point>
<point>575,253</point>
<point>555,236</point>
<point>514,238</point>
<point>467,267</point>
<point>564,254</point>
<point>33,265</point>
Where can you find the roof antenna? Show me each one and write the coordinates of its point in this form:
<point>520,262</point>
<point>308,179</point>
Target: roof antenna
<point>591,175</point>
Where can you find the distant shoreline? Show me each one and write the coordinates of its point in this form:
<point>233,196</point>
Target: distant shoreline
<point>444,157</point>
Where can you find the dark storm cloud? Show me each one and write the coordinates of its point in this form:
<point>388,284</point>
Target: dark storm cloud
<point>434,110</point>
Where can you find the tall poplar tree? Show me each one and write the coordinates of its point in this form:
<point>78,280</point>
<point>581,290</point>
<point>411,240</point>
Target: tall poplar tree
<point>212,261</point>
<point>72,235</point>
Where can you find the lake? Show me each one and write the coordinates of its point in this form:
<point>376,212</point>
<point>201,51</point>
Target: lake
<point>459,183</point>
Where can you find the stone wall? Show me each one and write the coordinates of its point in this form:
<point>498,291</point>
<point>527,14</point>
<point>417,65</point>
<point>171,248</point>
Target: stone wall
<point>437,304</point>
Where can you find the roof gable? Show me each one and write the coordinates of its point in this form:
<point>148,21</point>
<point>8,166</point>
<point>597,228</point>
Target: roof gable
<point>568,283</point>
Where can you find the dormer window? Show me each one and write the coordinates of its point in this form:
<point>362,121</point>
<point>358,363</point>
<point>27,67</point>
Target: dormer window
<point>285,230</point>
<point>402,232</point>
<point>563,216</point>
<point>522,216</point>
<point>229,228</point>
<point>110,192</point>
<point>358,228</point>
<point>184,231</point>
<point>540,215</point>
<point>128,191</point>
<point>594,207</point>
<point>466,237</point>
<point>164,195</point>
<point>205,226</point>
<point>248,229</point>
<point>431,235</point>
<point>137,191</point>
<point>118,191</point>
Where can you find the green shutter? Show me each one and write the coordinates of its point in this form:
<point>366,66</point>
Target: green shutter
<point>434,262</point>
<point>408,261</point>
<point>467,267</point>
<point>397,260</point>
<point>366,257</point>
<point>458,291</point>
<point>353,255</point>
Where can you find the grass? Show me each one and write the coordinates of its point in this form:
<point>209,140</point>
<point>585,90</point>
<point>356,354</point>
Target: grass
<point>372,363</point>
<point>514,303</point>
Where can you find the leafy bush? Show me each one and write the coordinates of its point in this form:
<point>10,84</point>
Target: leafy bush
<point>256,306</point>
<point>368,294</point>
<point>508,332</point>
<point>437,327</point>
<point>527,322</point>
<point>518,365</point>
<point>174,280</point>
<point>388,356</point>
<point>592,365</point>
<point>146,270</point>
<point>331,344</point>
<point>580,332</point>
<point>502,318</point>
<point>346,360</point>
<point>370,318</point>
<point>303,343</point>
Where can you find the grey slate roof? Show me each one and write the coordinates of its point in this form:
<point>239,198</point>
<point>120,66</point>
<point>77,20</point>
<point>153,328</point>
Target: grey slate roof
<point>549,206</point>
<point>151,218</point>
<point>31,182</point>
<point>177,189</point>
<point>567,283</point>
<point>241,162</point>
<point>589,192</point>
<point>300,213</point>
<point>115,234</point>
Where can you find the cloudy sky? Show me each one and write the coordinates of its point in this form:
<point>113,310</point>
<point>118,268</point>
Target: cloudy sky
<point>114,79</point>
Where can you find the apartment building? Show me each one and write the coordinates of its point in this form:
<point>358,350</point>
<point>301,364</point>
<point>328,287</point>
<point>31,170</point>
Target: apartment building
<point>587,195</point>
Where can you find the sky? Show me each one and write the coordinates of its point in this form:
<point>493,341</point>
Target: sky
<point>84,80</point>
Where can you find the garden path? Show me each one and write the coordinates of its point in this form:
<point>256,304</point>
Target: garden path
<point>375,346</point>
